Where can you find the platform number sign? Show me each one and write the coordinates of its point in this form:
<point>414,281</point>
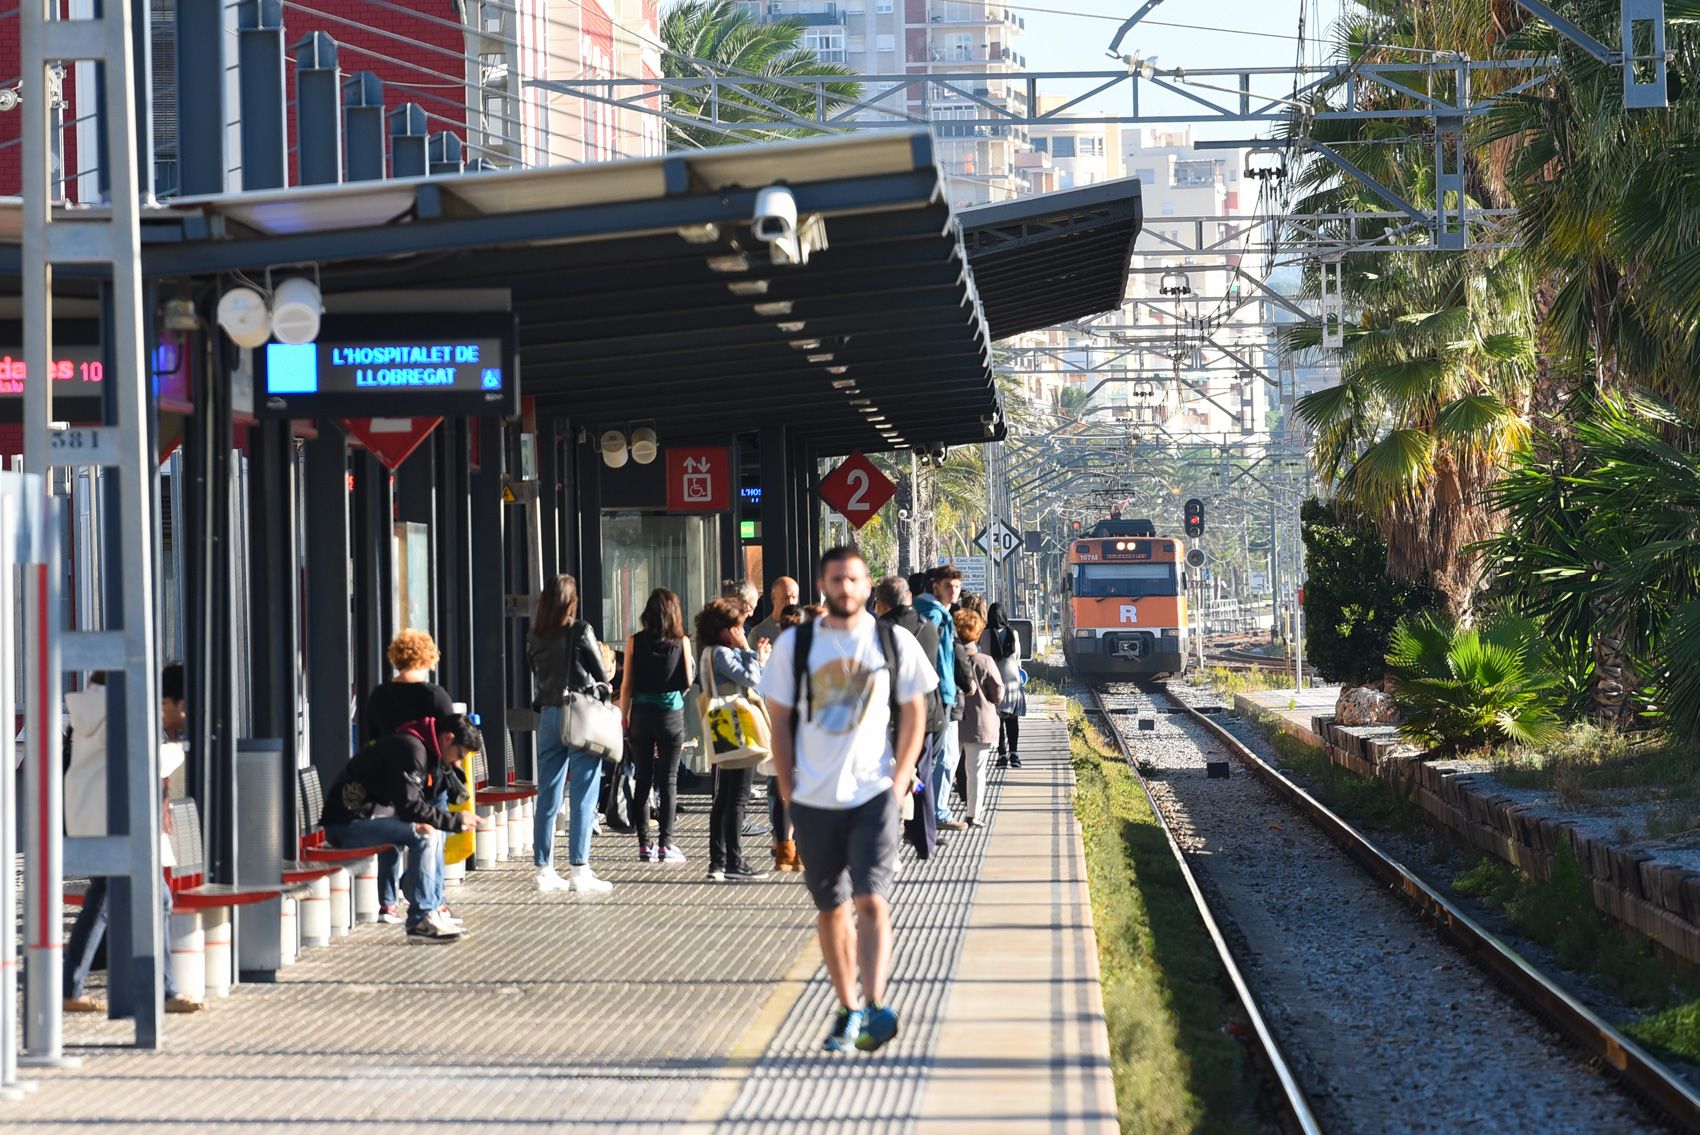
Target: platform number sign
<point>998,540</point>
<point>856,489</point>
<point>1195,517</point>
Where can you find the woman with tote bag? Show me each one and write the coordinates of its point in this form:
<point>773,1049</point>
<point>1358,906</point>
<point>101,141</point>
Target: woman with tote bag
<point>728,664</point>
<point>565,660</point>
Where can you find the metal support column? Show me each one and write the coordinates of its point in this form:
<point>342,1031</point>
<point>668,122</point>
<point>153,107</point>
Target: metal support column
<point>373,527</point>
<point>550,522</point>
<point>108,239</point>
<point>488,696</point>
<point>265,98</point>
<point>363,124</point>
<point>330,641</point>
<point>454,557</point>
<point>408,139</point>
<point>202,162</point>
<point>588,569</point>
<point>776,503</point>
<point>275,603</point>
<point>318,110</point>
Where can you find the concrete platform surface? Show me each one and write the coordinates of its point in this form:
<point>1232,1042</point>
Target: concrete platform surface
<point>672,1004</point>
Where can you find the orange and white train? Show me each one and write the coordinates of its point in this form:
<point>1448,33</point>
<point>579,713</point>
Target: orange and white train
<point>1126,609</point>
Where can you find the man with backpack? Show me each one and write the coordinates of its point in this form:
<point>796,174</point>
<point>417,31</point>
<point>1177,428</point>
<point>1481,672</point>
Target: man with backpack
<point>847,694</point>
<point>935,606</point>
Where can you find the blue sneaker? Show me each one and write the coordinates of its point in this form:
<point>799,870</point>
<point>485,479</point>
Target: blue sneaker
<point>879,1025</point>
<point>845,1027</point>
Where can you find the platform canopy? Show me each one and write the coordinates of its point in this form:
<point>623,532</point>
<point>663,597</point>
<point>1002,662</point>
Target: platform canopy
<point>1040,261</point>
<point>641,293</point>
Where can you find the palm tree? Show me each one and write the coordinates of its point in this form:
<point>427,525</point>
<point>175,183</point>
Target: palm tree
<point>716,38</point>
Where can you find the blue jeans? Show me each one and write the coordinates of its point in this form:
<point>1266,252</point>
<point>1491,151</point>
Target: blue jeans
<point>949,751</point>
<point>558,769</point>
<point>90,928</point>
<point>434,866</point>
<point>398,833</point>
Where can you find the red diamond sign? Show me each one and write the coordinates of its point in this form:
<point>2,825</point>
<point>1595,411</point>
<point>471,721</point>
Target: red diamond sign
<point>391,440</point>
<point>856,489</point>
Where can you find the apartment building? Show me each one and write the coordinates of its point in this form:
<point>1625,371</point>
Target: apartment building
<point>967,45</point>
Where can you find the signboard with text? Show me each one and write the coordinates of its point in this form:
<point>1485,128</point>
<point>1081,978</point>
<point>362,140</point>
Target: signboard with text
<point>78,375</point>
<point>390,366</point>
<point>973,569</point>
<point>699,478</point>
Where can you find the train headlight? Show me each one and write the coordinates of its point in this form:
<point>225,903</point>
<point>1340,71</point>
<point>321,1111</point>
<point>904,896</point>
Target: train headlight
<point>1082,632</point>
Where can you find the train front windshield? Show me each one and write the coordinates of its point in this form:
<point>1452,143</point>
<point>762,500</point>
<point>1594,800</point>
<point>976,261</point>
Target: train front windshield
<point>1133,581</point>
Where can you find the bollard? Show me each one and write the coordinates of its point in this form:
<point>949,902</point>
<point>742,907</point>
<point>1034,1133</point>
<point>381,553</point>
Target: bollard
<point>484,845</point>
<point>288,931</point>
<point>341,903</point>
<point>528,822</point>
<point>366,890</point>
<point>188,956</point>
<point>517,828</point>
<point>316,914</point>
<point>454,874</point>
<point>215,925</point>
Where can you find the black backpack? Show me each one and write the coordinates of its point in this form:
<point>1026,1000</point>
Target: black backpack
<point>805,632</point>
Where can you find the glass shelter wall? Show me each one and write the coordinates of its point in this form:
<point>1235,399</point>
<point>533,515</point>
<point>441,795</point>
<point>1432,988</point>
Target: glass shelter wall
<point>642,551</point>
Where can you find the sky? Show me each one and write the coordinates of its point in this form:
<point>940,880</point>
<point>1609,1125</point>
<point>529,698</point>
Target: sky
<point>1226,33</point>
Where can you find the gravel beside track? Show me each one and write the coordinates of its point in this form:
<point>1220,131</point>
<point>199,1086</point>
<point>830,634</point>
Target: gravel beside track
<point>1387,1027</point>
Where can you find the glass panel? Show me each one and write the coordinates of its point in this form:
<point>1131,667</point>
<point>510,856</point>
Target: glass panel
<point>1096,581</point>
<point>642,551</point>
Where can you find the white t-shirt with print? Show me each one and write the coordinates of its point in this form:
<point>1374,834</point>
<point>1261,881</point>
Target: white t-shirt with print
<point>843,743</point>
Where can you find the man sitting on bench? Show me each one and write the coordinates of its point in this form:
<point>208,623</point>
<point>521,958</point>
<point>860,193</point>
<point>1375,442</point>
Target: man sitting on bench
<point>380,799</point>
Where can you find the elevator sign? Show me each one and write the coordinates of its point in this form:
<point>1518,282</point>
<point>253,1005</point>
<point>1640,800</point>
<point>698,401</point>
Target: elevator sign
<point>699,478</point>
<point>385,367</point>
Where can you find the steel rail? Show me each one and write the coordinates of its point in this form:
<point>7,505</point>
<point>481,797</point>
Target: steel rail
<point>1297,1106</point>
<point>1633,1064</point>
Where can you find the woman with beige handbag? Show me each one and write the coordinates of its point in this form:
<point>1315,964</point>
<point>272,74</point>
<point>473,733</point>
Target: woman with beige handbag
<point>736,730</point>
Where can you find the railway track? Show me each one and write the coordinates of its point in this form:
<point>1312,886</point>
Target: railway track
<point>1376,1004</point>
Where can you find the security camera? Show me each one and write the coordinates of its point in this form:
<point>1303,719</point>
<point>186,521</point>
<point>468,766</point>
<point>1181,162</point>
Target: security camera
<point>938,453</point>
<point>775,221</point>
<point>903,514</point>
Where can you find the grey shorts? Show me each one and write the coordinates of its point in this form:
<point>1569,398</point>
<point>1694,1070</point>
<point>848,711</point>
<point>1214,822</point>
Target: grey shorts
<point>849,851</point>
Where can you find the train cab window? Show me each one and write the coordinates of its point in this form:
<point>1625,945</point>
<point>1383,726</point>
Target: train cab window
<point>1107,581</point>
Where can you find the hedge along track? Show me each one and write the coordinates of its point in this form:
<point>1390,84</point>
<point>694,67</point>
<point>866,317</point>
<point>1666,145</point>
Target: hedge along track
<point>1296,1113</point>
<point>1644,1076</point>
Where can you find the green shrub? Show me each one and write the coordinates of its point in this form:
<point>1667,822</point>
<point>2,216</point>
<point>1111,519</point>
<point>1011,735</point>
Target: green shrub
<point>1350,605</point>
<point>1465,688</point>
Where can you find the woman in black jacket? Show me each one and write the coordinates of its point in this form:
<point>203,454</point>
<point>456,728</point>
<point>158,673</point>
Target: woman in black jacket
<point>564,657</point>
<point>652,704</point>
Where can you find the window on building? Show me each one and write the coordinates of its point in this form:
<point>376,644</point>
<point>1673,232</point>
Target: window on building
<point>826,43</point>
<point>1146,176</point>
<point>885,43</point>
<point>856,44</point>
<point>1062,146</point>
<point>1042,145</point>
<point>882,6</point>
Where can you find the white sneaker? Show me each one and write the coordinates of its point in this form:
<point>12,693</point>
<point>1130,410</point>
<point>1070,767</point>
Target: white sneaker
<point>581,879</point>
<point>547,881</point>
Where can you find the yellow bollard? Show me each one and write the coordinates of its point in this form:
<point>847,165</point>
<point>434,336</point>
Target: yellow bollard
<point>457,846</point>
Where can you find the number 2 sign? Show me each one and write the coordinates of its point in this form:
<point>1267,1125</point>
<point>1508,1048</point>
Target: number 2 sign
<point>856,489</point>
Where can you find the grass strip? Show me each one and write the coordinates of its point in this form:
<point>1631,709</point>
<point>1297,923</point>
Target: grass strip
<point>1175,1065</point>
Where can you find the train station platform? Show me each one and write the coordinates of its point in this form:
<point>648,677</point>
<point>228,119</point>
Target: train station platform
<point>672,1004</point>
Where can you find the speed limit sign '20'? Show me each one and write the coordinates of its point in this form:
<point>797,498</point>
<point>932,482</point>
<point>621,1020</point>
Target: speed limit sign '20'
<point>856,489</point>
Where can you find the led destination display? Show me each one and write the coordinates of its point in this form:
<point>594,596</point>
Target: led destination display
<point>391,369</point>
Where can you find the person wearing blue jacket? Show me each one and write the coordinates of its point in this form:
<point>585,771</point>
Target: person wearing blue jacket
<point>944,588</point>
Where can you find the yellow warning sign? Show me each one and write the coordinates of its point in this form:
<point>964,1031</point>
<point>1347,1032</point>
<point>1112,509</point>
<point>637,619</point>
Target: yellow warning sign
<point>508,495</point>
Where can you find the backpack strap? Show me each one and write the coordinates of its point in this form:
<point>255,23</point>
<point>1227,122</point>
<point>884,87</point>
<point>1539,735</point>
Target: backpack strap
<point>888,647</point>
<point>804,638</point>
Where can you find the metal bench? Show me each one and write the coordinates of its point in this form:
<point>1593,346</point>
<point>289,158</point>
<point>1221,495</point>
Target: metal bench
<point>360,862</point>
<point>201,961</point>
<point>510,808</point>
